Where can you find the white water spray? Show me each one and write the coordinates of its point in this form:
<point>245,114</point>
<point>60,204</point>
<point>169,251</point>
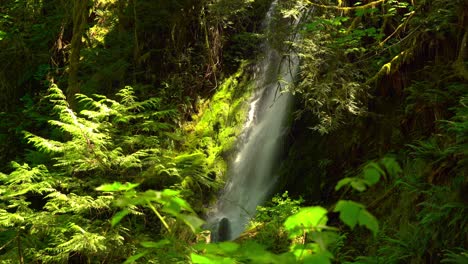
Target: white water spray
<point>253,174</point>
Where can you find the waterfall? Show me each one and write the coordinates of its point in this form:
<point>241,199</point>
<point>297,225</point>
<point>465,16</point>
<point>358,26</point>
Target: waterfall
<point>252,175</point>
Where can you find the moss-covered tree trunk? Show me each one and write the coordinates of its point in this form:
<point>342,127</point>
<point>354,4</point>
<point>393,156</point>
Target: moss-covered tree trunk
<point>80,14</point>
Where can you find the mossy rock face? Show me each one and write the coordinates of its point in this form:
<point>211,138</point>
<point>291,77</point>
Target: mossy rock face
<point>215,129</point>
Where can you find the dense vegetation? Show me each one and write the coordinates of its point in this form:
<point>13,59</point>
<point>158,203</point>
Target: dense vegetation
<point>118,119</point>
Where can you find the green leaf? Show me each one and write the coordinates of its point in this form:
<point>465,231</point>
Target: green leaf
<point>3,34</point>
<point>119,216</point>
<point>358,185</point>
<point>136,257</point>
<point>175,204</point>
<point>349,212</point>
<point>169,192</point>
<point>211,259</point>
<point>201,259</point>
<point>324,238</point>
<point>117,186</point>
<point>211,248</point>
<point>392,166</point>
<point>152,244</point>
<point>256,253</point>
<point>342,183</point>
<point>229,247</point>
<point>319,258</point>
<point>372,173</point>
<point>302,250</point>
<point>368,220</point>
<point>192,221</point>
<point>306,218</point>
<point>352,213</point>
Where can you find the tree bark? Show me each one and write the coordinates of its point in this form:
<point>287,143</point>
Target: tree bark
<point>80,14</point>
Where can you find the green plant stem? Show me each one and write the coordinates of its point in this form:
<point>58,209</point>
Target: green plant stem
<point>159,216</point>
<point>20,249</point>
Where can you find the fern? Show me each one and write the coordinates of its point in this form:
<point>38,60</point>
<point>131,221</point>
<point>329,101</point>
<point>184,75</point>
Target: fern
<point>194,166</point>
<point>456,258</point>
<point>55,210</point>
<point>459,127</point>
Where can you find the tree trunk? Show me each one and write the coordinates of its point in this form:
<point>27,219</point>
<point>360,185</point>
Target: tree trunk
<point>80,14</point>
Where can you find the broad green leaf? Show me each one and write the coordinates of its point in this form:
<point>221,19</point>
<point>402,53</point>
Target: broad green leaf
<point>152,244</point>
<point>182,204</point>
<point>368,220</point>
<point>192,221</point>
<point>257,253</point>
<point>119,216</point>
<point>352,213</point>
<point>349,212</point>
<point>392,166</point>
<point>324,238</point>
<point>372,173</point>
<point>358,185</point>
<point>3,34</point>
<point>306,218</point>
<point>171,207</point>
<point>200,259</point>
<point>136,257</point>
<point>117,186</point>
<point>169,192</point>
<point>301,250</point>
<point>319,258</point>
<point>342,183</point>
<point>229,247</point>
<point>371,176</point>
<point>210,248</point>
<point>211,259</point>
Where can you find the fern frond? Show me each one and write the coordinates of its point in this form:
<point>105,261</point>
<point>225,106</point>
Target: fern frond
<point>456,258</point>
<point>10,219</point>
<point>25,174</point>
<point>127,96</point>
<point>60,203</point>
<point>134,160</point>
<point>150,104</point>
<point>139,141</point>
<point>57,96</point>
<point>84,242</point>
<point>68,128</point>
<point>164,114</point>
<point>99,110</point>
<point>193,165</point>
<point>42,144</point>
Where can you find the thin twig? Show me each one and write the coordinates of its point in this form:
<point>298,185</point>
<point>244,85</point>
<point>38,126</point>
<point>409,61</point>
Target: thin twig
<point>398,28</point>
<point>371,4</point>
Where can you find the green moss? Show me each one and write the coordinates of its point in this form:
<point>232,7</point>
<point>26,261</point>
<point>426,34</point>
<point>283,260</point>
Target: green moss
<point>215,129</point>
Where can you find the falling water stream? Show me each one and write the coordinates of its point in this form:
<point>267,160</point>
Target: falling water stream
<point>253,172</point>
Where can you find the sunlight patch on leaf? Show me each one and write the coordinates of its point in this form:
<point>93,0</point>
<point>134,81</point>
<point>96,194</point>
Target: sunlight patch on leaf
<point>117,186</point>
<point>308,218</point>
